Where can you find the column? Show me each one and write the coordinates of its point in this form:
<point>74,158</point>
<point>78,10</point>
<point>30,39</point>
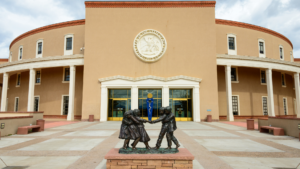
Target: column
<point>229,93</point>
<point>165,96</point>
<point>296,79</point>
<point>196,103</point>
<point>71,93</point>
<point>4,91</point>
<point>30,104</point>
<point>134,97</point>
<point>271,110</point>
<point>104,102</point>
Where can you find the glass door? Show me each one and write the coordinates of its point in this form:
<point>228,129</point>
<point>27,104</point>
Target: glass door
<point>119,101</point>
<point>119,107</point>
<point>181,103</point>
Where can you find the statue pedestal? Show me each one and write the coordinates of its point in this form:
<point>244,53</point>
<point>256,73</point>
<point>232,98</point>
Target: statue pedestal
<point>182,159</point>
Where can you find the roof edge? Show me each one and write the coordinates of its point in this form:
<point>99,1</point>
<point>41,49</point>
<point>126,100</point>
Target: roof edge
<point>46,28</point>
<point>253,27</point>
<point>151,4</point>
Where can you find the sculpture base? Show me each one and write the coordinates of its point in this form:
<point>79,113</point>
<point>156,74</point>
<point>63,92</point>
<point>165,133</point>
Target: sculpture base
<point>147,151</point>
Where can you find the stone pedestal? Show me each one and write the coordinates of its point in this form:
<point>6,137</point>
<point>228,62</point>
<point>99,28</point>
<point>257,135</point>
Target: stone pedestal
<point>41,123</point>
<point>91,118</point>
<point>209,118</point>
<point>183,159</point>
<point>250,124</point>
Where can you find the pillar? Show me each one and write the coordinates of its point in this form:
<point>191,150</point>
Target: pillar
<point>134,97</point>
<point>165,96</point>
<point>4,91</point>
<point>271,110</point>
<point>71,93</point>
<point>229,93</point>
<point>296,80</point>
<point>196,103</point>
<point>104,102</point>
<point>30,104</point>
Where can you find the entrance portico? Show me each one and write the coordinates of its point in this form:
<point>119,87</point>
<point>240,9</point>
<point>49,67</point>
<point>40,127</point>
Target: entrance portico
<point>150,82</point>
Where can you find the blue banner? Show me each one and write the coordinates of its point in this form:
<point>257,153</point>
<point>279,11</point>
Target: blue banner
<point>149,107</point>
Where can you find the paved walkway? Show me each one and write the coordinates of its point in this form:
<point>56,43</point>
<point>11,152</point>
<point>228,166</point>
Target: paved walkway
<point>214,145</point>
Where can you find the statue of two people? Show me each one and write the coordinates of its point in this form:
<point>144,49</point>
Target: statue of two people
<point>132,128</point>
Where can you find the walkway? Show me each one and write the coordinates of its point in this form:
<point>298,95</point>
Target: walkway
<point>215,146</point>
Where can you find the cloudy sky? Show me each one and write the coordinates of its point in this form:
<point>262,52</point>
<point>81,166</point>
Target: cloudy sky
<point>19,16</point>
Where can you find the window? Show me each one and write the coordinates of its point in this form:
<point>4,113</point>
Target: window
<point>10,56</point>
<point>36,103</point>
<point>285,109</point>
<point>38,77</point>
<point>20,53</point>
<point>265,105</point>
<point>18,79</point>
<point>65,105</point>
<point>231,41</point>
<point>283,80</point>
<point>234,77</point>
<point>66,75</point>
<point>69,41</point>
<point>261,48</point>
<point>235,105</point>
<point>281,52</point>
<point>39,48</point>
<point>16,104</point>
<point>263,77</point>
<point>292,57</point>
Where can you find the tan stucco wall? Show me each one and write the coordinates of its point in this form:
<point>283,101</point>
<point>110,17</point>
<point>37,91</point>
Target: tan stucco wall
<point>53,42</point>
<point>250,92</point>
<point>247,42</point>
<point>190,35</point>
<point>50,91</point>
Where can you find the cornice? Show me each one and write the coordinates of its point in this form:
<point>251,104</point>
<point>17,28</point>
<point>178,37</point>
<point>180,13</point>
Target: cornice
<point>145,4</point>
<point>150,77</point>
<point>252,58</point>
<point>48,27</point>
<point>253,27</point>
<point>50,58</point>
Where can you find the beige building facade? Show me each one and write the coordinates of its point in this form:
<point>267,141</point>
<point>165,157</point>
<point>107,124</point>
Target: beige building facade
<point>176,53</point>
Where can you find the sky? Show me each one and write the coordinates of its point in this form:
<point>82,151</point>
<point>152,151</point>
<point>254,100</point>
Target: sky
<point>20,16</point>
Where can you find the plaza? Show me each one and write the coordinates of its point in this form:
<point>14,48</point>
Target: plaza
<point>214,145</point>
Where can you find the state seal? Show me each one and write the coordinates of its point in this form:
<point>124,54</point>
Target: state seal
<point>149,45</point>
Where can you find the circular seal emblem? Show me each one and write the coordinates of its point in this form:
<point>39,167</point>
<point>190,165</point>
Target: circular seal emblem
<point>149,45</point>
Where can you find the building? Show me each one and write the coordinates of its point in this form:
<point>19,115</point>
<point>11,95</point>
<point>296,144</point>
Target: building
<point>179,52</point>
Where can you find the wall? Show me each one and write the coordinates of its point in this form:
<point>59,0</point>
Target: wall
<point>53,42</point>
<point>250,92</point>
<point>247,42</point>
<point>50,91</point>
<point>190,36</point>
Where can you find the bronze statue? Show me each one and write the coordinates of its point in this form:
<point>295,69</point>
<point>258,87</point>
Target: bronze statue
<point>168,127</point>
<point>141,128</point>
<point>129,130</point>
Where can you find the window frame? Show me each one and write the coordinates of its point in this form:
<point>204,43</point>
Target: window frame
<point>37,48</point>
<point>281,47</point>
<point>21,47</point>
<point>230,51</point>
<point>18,85</point>
<point>68,52</point>
<point>62,103</point>
<point>63,80</point>
<point>291,56</point>
<point>15,104</point>
<point>262,101</point>
<point>239,105</point>
<point>10,56</point>
<point>38,103</point>
<point>264,54</point>
<point>237,74</point>
<point>284,78</point>
<point>36,76</point>
<point>261,77</point>
<point>286,101</point>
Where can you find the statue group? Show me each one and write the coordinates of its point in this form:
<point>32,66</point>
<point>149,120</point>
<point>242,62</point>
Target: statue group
<point>133,128</point>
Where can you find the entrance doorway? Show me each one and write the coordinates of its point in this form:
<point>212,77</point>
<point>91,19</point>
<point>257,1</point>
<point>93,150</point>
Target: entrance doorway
<point>119,102</point>
<point>181,103</point>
